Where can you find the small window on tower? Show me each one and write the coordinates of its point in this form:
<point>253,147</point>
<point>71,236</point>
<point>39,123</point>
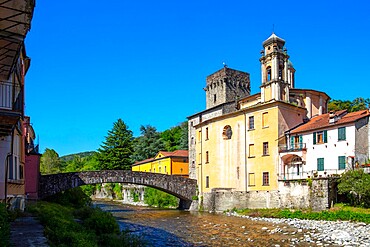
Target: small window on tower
<point>268,73</point>
<point>214,98</point>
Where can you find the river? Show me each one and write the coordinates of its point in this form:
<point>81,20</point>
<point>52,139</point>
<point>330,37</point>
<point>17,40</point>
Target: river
<point>162,227</point>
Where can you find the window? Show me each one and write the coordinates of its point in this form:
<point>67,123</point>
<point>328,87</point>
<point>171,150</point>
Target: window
<point>320,137</point>
<point>206,133</point>
<point>181,170</point>
<point>268,70</point>
<point>341,162</point>
<point>265,120</point>
<point>165,169</point>
<point>237,172</point>
<point>159,169</point>
<point>227,132</point>
<point>320,164</point>
<point>251,150</point>
<point>192,140</point>
<point>207,181</point>
<point>251,180</point>
<point>199,135</point>
<point>16,175</point>
<point>265,148</point>
<point>265,179</point>
<point>10,166</point>
<point>342,134</point>
<point>251,122</point>
<point>296,142</point>
<point>207,157</point>
<point>214,98</point>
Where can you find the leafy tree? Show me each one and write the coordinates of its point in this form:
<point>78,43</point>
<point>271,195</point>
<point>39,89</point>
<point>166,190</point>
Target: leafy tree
<point>176,138</point>
<point>50,162</point>
<point>148,144</point>
<point>154,197</point>
<point>117,149</point>
<point>356,185</point>
<point>352,106</point>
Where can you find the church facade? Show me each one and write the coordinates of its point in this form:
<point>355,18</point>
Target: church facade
<point>234,143</point>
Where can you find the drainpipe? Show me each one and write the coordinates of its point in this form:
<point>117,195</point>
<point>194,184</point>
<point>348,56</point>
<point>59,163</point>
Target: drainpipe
<point>10,154</point>
<point>245,152</point>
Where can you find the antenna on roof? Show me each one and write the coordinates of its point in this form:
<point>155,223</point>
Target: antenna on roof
<point>225,65</point>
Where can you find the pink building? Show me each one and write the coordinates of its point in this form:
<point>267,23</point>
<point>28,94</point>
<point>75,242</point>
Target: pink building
<point>32,162</point>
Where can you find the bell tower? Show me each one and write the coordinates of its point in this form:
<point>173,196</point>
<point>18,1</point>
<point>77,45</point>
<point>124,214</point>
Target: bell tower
<point>226,86</point>
<point>277,71</point>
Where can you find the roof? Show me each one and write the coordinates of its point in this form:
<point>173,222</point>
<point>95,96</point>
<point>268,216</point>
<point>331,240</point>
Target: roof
<point>322,121</point>
<point>177,153</point>
<point>273,38</point>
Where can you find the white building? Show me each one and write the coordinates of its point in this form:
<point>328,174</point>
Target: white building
<point>327,144</point>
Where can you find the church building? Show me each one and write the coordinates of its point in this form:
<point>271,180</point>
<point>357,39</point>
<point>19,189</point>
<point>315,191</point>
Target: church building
<point>234,143</point>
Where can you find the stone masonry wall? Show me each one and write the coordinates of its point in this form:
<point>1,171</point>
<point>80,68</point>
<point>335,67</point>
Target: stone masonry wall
<point>317,194</point>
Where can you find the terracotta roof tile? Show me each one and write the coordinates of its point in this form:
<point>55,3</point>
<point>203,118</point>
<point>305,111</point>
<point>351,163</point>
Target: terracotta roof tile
<point>322,121</point>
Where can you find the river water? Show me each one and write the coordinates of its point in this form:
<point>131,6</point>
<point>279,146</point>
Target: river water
<point>160,227</point>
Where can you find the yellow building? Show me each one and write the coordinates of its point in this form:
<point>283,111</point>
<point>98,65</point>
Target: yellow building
<point>171,163</point>
<point>234,143</point>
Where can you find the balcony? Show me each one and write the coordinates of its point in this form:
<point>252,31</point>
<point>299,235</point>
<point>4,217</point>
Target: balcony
<point>310,174</point>
<point>292,148</point>
<point>11,106</point>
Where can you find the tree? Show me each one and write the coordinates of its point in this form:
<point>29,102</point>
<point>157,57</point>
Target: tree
<point>351,106</point>
<point>148,144</point>
<point>176,138</point>
<point>356,185</point>
<point>50,162</point>
<point>115,152</point>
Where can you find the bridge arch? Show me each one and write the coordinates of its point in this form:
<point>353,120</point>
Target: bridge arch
<point>183,188</point>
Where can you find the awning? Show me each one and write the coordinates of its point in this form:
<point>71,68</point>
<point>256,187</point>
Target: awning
<point>15,21</point>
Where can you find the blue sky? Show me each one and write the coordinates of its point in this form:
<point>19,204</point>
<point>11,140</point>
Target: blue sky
<point>146,62</point>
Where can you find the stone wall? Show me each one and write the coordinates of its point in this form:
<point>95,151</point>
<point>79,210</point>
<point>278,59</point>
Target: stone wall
<point>218,200</point>
<point>317,194</point>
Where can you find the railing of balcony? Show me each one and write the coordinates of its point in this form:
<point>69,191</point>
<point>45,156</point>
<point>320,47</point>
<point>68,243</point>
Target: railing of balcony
<point>11,97</point>
<point>294,147</point>
<point>309,174</point>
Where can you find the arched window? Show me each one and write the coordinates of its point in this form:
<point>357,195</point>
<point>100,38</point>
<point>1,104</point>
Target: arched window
<point>227,132</point>
<point>268,74</point>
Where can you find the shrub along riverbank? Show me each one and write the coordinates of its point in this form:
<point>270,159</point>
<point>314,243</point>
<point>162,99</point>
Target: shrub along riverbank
<point>76,223</point>
<point>338,212</point>
<point>4,226</point>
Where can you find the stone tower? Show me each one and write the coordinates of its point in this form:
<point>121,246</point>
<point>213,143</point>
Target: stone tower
<point>225,86</point>
<point>277,70</point>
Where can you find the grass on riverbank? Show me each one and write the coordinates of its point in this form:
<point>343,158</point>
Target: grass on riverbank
<point>68,226</point>
<point>338,212</point>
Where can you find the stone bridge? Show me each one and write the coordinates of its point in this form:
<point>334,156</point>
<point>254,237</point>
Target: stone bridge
<point>182,188</point>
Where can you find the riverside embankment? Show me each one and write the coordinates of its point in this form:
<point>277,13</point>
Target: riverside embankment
<point>182,228</point>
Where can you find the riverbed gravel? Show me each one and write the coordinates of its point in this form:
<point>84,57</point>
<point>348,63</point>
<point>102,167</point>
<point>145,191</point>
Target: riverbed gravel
<point>322,233</point>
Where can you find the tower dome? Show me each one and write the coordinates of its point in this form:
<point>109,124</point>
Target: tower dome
<point>274,39</point>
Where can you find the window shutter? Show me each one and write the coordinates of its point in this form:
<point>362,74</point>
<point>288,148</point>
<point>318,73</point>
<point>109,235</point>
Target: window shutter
<point>314,137</point>
<point>300,141</point>
<point>325,136</point>
<point>292,142</point>
<point>344,133</point>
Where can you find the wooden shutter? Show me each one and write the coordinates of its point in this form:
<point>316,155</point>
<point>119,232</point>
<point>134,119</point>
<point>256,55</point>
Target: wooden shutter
<point>325,136</point>
<point>314,137</point>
